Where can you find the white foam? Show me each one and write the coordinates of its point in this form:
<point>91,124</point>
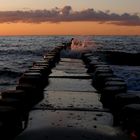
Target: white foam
<point>84,44</point>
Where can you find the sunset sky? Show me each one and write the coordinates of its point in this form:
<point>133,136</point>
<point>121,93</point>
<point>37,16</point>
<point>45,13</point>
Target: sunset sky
<point>68,17</point>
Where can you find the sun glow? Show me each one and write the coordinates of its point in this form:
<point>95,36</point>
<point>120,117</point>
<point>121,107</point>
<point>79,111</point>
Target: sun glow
<point>67,28</point>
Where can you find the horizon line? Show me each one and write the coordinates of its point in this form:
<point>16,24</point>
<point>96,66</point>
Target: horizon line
<point>72,35</point>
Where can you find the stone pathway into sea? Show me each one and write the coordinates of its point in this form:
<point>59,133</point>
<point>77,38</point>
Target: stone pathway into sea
<point>71,109</point>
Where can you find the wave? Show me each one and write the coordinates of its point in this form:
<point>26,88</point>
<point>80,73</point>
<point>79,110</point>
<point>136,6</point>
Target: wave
<point>5,72</point>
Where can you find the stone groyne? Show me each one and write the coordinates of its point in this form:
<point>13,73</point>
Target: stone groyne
<point>65,98</point>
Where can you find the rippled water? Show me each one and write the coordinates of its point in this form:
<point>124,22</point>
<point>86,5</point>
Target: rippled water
<point>17,54</point>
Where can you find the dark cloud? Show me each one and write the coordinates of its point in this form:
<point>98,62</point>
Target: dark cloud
<point>66,14</point>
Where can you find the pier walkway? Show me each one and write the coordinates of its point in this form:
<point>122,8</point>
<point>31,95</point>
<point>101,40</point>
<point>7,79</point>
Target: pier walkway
<point>71,109</point>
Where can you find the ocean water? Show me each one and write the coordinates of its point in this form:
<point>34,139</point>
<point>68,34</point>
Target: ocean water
<point>17,53</point>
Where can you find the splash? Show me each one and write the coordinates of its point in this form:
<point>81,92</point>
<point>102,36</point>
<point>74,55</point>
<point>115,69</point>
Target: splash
<point>82,44</point>
<point>78,45</point>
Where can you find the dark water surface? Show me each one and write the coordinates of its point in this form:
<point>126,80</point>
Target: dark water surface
<point>17,54</point>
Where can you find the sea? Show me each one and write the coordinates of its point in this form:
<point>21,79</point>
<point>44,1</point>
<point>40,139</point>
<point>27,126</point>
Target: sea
<point>17,54</point>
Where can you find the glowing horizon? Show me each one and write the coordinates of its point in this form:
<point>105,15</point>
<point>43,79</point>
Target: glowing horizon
<point>72,28</point>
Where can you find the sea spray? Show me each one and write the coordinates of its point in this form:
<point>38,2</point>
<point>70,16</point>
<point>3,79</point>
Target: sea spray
<point>83,44</point>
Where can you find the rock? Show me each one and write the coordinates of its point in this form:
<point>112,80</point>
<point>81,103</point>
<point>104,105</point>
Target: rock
<point>108,94</point>
<point>130,117</point>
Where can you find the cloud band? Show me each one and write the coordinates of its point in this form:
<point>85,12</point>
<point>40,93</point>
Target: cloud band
<point>66,14</point>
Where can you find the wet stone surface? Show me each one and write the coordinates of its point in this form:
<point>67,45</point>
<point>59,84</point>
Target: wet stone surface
<point>62,119</point>
<point>66,84</point>
<point>70,125</point>
<point>70,68</point>
<point>76,74</point>
<point>71,64</point>
<point>70,100</point>
<point>69,60</point>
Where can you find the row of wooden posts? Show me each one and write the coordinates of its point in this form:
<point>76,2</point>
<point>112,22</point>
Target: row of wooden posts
<point>15,105</point>
<point>124,105</point>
